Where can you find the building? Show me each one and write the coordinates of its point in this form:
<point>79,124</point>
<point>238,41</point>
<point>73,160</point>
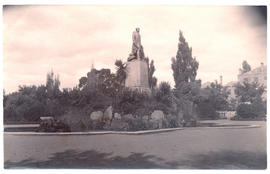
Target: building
<point>206,84</point>
<point>258,74</point>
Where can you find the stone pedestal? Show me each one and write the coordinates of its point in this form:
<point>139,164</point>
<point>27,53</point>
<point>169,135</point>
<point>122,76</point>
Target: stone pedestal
<point>137,75</point>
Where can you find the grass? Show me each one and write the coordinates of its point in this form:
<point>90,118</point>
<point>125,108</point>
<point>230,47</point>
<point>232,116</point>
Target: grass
<point>184,149</point>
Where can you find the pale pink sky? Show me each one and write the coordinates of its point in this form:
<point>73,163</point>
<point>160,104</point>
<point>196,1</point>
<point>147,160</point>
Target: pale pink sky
<point>68,39</point>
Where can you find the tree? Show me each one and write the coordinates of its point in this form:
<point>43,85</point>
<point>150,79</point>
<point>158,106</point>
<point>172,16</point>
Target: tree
<point>251,102</point>
<point>120,71</point>
<point>24,105</point>
<point>185,68</point>
<point>4,98</point>
<point>151,69</point>
<point>82,82</point>
<point>53,107</point>
<point>163,94</point>
<point>52,85</point>
<point>245,67</point>
<point>249,92</point>
<point>213,98</point>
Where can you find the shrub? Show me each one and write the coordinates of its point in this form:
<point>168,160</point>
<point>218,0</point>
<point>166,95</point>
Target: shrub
<point>206,110</point>
<point>77,120</point>
<point>257,109</point>
<point>163,99</point>
<point>245,111</point>
<point>172,121</point>
<point>128,101</point>
<point>53,125</point>
<point>23,108</point>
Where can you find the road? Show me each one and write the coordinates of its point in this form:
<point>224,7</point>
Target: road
<point>191,148</point>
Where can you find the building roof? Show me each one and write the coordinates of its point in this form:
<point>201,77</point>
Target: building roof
<point>206,84</point>
<point>262,68</point>
<point>232,83</point>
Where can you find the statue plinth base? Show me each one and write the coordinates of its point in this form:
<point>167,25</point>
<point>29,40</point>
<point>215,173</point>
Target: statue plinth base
<point>137,76</point>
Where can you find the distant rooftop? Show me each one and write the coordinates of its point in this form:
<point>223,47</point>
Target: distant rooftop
<point>230,83</point>
<point>262,68</point>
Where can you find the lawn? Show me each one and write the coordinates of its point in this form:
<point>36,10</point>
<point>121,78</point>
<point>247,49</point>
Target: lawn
<point>191,148</point>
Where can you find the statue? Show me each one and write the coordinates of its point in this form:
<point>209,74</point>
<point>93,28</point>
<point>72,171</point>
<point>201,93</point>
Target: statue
<point>137,49</point>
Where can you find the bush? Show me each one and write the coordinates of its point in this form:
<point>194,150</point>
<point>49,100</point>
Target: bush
<point>257,109</point>
<point>206,110</point>
<point>245,111</point>
<point>163,98</point>
<point>53,125</point>
<point>23,108</point>
<point>129,101</point>
<point>77,120</point>
<point>172,121</point>
<point>139,103</point>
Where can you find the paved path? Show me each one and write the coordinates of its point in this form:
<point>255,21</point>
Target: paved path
<point>20,125</point>
<point>185,149</point>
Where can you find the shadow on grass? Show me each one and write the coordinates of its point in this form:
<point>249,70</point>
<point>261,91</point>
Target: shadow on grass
<point>90,159</point>
<point>97,160</point>
<point>223,160</point>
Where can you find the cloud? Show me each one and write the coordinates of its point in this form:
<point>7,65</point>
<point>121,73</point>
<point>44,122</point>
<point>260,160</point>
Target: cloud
<point>68,39</point>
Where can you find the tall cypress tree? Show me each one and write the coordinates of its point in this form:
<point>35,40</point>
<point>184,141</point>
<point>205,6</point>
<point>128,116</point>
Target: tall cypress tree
<point>152,79</point>
<point>185,68</point>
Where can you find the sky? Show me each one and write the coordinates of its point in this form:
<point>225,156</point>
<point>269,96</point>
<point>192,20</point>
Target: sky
<point>69,39</point>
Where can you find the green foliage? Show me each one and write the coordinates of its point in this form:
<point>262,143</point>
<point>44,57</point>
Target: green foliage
<point>139,103</point>
<point>53,125</point>
<point>249,92</point>
<point>32,102</point>
<point>184,66</point>
<point>77,120</point>
<point>23,106</point>
<point>213,98</point>
<point>232,104</point>
<point>206,110</point>
<point>120,71</point>
<point>128,101</point>
<point>105,81</point>
<point>218,95</point>
<point>245,111</point>
<point>164,98</point>
<point>52,85</point>
<point>82,82</point>
<point>256,109</point>
<point>151,69</point>
<point>94,98</point>
<point>259,108</point>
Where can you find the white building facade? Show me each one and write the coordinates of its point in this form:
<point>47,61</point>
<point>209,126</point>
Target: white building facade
<point>258,74</point>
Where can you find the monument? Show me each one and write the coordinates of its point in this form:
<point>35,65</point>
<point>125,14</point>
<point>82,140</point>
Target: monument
<point>137,66</point>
